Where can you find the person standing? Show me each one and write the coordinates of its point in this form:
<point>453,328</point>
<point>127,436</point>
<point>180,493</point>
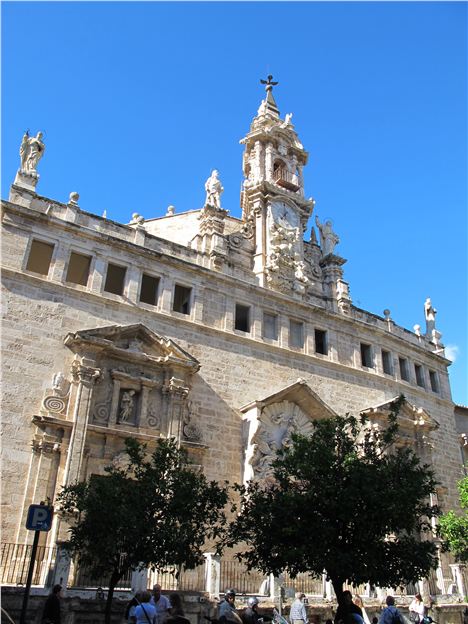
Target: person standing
<point>250,615</point>
<point>52,607</point>
<point>176,612</point>
<point>298,613</point>
<point>417,610</point>
<point>359,603</point>
<point>145,612</point>
<point>348,612</point>
<point>161,604</point>
<point>227,610</point>
<point>390,615</point>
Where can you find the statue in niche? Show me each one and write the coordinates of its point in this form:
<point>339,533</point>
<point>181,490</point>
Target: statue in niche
<point>430,314</point>
<point>213,188</point>
<point>328,238</point>
<point>127,403</point>
<point>31,151</point>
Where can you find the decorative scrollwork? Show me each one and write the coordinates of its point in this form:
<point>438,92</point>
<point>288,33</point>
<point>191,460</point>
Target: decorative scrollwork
<point>54,404</point>
<point>153,419</point>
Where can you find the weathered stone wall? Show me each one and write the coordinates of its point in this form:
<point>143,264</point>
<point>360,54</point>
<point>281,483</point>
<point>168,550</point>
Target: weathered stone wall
<point>236,368</point>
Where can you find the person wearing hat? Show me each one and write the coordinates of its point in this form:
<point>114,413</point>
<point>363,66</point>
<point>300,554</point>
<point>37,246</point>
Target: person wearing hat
<point>227,611</point>
<point>298,614</point>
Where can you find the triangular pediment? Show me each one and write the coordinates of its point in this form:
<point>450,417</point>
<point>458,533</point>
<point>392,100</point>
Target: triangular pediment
<point>134,342</point>
<point>299,393</point>
<point>409,415</point>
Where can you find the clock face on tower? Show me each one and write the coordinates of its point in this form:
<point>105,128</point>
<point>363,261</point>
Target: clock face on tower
<point>284,215</point>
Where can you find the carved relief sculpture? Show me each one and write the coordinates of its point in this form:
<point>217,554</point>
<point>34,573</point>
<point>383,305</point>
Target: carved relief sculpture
<point>277,424</point>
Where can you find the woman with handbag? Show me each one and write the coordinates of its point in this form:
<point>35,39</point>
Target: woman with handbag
<point>417,609</point>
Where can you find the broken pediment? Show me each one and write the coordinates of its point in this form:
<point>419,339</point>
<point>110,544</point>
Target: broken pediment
<point>410,417</point>
<point>270,423</point>
<point>131,343</point>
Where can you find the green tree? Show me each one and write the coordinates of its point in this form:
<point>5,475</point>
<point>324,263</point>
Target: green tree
<point>453,527</point>
<point>346,500</point>
<point>156,512</point>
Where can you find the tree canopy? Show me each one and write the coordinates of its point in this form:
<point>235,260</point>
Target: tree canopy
<point>347,500</point>
<point>453,527</point>
<point>156,512</point>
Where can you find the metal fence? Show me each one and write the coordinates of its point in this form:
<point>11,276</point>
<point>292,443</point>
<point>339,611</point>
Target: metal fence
<point>234,574</point>
<point>304,583</point>
<point>185,580</point>
<point>15,559</point>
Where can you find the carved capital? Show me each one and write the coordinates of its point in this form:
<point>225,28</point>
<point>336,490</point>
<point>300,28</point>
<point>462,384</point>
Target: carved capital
<point>40,445</point>
<point>86,375</point>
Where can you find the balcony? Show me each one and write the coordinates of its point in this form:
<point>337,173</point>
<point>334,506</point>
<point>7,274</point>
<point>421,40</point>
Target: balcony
<point>284,178</point>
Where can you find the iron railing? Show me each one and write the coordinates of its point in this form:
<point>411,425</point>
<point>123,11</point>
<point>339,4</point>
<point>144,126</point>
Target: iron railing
<point>234,574</point>
<point>15,559</point>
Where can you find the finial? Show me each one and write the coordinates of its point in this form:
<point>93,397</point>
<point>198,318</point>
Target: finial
<point>74,197</point>
<point>269,83</point>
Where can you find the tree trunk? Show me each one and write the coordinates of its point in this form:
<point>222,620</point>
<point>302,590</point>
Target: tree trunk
<point>114,579</point>
<point>338,588</point>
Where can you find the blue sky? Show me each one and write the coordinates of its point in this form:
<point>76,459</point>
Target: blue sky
<point>139,101</point>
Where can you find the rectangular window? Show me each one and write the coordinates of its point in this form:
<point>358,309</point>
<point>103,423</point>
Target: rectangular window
<point>270,326</point>
<point>242,320</point>
<point>387,363</point>
<point>321,341</point>
<point>296,334</point>
<point>404,372</point>
<point>78,269</point>
<point>418,370</point>
<point>115,279</point>
<point>366,355</point>
<point>149,289</point>
<point>434,381</point>
<point>182,296</point>
<point>40,256</point>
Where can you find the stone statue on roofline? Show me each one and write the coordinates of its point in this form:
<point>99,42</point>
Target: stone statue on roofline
<point>213,188</point>
<point>430,314</point>
<point>328,238</point>
<point>31,151</point>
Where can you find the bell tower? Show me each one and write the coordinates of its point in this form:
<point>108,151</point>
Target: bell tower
<point>272,197</point>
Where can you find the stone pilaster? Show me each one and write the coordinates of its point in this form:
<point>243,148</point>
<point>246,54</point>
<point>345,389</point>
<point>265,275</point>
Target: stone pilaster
<point>84,376</point>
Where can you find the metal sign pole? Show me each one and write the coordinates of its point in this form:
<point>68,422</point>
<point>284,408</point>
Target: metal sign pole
<point>30,575</point>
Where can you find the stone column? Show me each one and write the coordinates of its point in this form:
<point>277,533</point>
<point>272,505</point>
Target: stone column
<point>269,163</point>
<point>61,570</point>
<point>458,573</point>
<point>212,573</point>
<point>139,580</point>
<point>84,375</point>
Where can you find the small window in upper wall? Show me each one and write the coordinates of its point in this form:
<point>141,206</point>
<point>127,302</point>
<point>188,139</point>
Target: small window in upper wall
<point>78,269</point>
<point>434,381</point>
<point>242,319</point>
<point>115,279</point>
<point>149,289</point>
<point>418,370</point>
<point>387,363</point>
<point>270,326</point>
<point>40,256</point>
<point>404,372</point>
<point>182,296</point>
<point>366,355</point>
<point>296,334</point>
<point>321,341</point>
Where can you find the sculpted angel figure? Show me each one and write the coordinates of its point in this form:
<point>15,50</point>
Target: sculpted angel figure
<point>430,314</point>
<point>328,238</point>
<point>31,151</point>
<point>213,188</point>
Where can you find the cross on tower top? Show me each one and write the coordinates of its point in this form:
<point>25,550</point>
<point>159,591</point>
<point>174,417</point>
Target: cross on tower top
<point>269,83</point>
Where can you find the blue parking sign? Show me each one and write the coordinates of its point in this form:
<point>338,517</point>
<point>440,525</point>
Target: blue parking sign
<point>39,518</point>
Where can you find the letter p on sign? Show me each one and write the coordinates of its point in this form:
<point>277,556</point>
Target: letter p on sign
<point>39,518</point>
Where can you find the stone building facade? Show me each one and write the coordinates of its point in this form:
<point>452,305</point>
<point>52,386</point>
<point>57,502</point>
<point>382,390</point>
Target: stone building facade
<point>226,333</point>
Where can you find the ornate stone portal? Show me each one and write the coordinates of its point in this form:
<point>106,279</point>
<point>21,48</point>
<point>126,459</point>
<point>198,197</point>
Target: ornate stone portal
<point>270,423</point>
